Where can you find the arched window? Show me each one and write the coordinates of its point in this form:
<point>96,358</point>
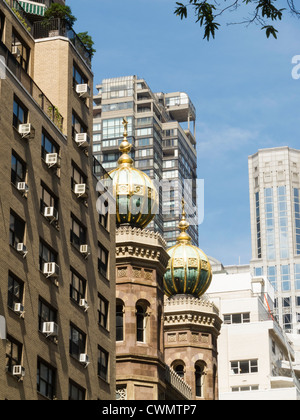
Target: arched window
<point>179,367</point>
<point>140,324</point>
<point>119,321</point>
<point>199,375</point>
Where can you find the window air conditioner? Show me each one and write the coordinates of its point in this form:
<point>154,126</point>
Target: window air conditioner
<point>19,309</point>
<point>85,250</point>
<point>82,139</point>
<point>51,270</point>
<point>18,371</point>
<point>83,304</point>
<point>26,130</point>
<point>51,213</point>
<point>21,248</point>
<point>52,159</point>
<point>16,51</point>
<point>81,190</point>
<point>23,187</point>
<point>83,90</point>
<point>84,359</point>
<point>50,328</point>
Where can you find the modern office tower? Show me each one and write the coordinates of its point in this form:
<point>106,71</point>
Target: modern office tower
<point>275,228</point>
<point>57,256</point>
<point>161,128</point>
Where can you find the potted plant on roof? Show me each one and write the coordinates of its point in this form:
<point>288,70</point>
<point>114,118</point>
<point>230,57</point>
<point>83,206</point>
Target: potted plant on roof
<point>58,18</point>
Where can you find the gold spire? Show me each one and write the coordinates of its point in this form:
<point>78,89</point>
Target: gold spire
<point>183,226</point>
<point>125,147</point>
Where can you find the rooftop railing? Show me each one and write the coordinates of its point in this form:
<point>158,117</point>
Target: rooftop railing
<point>58,27</point>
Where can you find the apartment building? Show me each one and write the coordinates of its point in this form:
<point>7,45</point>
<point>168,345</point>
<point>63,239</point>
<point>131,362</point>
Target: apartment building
<point>161,129</point>
<point>257,360</point>
<point>274,186</point>
<point>57,259</point>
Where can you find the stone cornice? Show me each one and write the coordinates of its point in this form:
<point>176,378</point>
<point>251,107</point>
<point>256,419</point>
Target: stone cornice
<point>136,234</point>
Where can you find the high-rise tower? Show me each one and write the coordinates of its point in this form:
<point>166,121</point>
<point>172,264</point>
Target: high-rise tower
<point>161,129</point>
<point>274,185</point>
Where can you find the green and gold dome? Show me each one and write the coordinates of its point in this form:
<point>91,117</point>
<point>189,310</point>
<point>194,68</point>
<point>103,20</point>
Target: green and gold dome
<point>135,194</point>
<point>189,270</point>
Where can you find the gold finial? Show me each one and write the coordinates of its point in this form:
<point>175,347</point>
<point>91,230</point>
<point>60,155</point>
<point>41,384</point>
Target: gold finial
<point>125,147</point>
<point>183,226</point>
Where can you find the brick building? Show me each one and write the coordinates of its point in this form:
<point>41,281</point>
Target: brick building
<point>57,277</point>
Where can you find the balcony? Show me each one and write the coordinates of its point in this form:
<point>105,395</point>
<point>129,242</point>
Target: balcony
<point>31,87</point>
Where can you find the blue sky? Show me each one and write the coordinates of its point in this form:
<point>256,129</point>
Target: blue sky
<point>240,84</point>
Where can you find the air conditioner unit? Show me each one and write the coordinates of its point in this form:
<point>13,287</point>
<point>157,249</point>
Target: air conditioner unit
<point>21,248</point>
<point>84,359</point>
<point>51,270</point>
<point>85,250</point>
<point>26,130</point>
<point>50,328</point>
<point>83,91</point>
<point>53,159</point>
<point>23,187</point>
<point>81,190</point>
<point>83,304</point>
<point>51,213</point>
<point>82,139</point>
<point>19,309</point>
<point>18,371</point>
<point>16,51</point>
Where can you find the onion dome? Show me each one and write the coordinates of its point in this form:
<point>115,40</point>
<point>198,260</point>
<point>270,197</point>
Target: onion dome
<point>189,270</point>
<point>135,194</point>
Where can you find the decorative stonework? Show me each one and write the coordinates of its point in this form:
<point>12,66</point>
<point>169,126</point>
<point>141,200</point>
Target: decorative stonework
<point>122,272</point>
<point>140,233</point>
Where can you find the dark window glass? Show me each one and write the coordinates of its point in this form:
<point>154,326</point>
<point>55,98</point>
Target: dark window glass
<point>47,255</point>
<point>76,392</point>
<point>20,113</point>
<point>46,380</point>
<point>120,323</point>
<point>18,169</point>
<point>102,363</point>
<point>77,342</point>
<point>15,291</point>
<point>13,353</point>
<point>103,312</point>
<point>16,230</point>
<point>48,145</point>
<point>77,287</point>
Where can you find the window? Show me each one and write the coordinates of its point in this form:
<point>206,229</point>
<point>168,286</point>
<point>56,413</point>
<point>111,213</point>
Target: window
<point>78,77</point>
<point>46,314</point>
<point>46,255</point>
<point>78,233</point>
<point>103,210</point>
<point>102,260</point>
<point>76,392</point>
<point>237,318</point>
<point>103,363</point>
<point>16,230</point>
<point>20,113</point>
<point>48,145</point>
<point>46,379</point>
<point>297,218</point>
<point>244,366</point>
<point>113,128</point>
<point>23,51</point>
<point>103,312</point>
<point>245,388</point>
<point>77,125</point>
<point>18,169</point>
<point>272,276</point>
<point>285,278</point>
<point>2,20</point>
<point>140,324</point>
<point>287,320</point>
<point>15,291</point>
<point>179,369</point>
<point>199,371</point>
<point>13,353</point>
<point>77,343</point>
<point>120,321</point>
<point>78,176</point>
<point>270,223</point>
<point>77,287</point>
<point>48,199</point>
<point>283,222</point>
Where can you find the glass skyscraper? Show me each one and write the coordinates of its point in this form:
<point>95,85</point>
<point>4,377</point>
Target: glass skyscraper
<point>274,184</point>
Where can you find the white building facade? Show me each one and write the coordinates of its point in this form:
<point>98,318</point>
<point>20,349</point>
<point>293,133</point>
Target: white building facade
<point>255,355</point>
